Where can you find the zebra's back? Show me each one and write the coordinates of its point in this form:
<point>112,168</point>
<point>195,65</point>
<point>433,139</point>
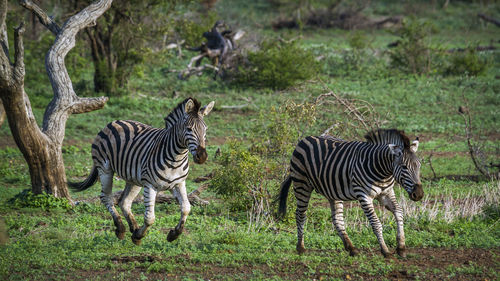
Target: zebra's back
<point>124,146</point>
<point>326,164</point>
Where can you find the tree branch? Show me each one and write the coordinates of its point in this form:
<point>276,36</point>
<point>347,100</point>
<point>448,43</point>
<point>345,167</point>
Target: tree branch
<point>4,56</point>
<point>65,100</point>
<point>41,15</point>
<point>83,105</point>
<point>19,70</point>
<point>489,19</point>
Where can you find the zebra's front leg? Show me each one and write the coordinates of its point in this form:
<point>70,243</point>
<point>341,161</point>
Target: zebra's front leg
<point>128,196</point>
<point>302,194</point>
<point>180,193</point>
<point>392,205</point>
<point>149,214</point>
<point>337,208</point>
<point>106,178</point>
<point>367,205</point>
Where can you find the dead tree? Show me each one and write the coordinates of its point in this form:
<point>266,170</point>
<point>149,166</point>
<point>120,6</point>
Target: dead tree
<point>217,48</point>
<point>42,147</point>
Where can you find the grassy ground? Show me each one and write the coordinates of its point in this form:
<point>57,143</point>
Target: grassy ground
<point>453,233</point>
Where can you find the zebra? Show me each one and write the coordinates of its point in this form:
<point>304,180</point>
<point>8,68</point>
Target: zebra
<point>354,170</point>
<point>154,158</point>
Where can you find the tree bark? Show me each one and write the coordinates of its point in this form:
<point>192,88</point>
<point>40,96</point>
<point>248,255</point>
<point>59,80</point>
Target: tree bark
<point>42,147</point>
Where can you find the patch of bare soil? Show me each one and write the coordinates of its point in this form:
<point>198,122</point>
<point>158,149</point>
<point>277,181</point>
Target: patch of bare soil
<point>421,263</point>
<point>7,141</point>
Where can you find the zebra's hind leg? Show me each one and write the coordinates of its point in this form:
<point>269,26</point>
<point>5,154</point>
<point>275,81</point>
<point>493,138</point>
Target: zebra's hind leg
<point>302,194</point>
<point>106,178</point>
<point>180,193</point>
<point>337,208</point>
<point>367,205</point>
<point>389,201</point>
<point>128,196</point>
<point>149,214</point>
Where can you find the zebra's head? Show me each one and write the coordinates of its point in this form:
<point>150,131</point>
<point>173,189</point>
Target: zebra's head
<point>195,129</point>
<point>406,169</point>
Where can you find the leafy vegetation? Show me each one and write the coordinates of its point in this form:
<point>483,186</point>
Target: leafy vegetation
<point>43,201</point>
<point>276,65</point>
<point>452,233</point>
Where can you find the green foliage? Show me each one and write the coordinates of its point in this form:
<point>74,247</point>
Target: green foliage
<point>277,65</point>
<point>240,171</point>
<point>279,129</point>
<point>192,30</point>
<point>44,201</point>
<point>413,54</point>
<point>466,63</point>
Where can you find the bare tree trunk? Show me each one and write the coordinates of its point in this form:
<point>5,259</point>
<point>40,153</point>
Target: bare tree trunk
<point>42,147</point>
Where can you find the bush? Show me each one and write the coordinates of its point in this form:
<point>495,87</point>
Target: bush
<point>413,53</point>
<point>239,173</point>
<point>192,31</point>
<point>44,201</point>
<point>468,63</point>
<point>277,65</point>
<point>279,129</point>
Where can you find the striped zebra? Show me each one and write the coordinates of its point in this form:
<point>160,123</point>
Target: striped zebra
<point>353,170</point>
<point>153,158</point>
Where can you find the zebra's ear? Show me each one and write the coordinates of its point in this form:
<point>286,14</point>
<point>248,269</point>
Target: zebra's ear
<point>204,111</point>
<point>188,107</point>
<point>396,150</point>
<point>414,145</point>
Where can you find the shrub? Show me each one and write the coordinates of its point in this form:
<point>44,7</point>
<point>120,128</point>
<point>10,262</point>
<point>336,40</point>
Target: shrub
<point>239,173</point>
<point>467,62</point>
<point>279,129</point>
<point>277,65</point>
<point>192,31</point>
<point>413,53</point>
<point>27,199</point>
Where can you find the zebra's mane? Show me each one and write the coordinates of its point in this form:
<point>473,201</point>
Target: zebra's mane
<point>388,136</point>
<point>179,111</point>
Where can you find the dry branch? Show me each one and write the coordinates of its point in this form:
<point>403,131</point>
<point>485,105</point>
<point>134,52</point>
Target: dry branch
<point>41,15</point>
<point>473,149</point>
<point>489,19</point>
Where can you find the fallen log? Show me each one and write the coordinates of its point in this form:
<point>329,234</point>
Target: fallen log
<point>489,19</point>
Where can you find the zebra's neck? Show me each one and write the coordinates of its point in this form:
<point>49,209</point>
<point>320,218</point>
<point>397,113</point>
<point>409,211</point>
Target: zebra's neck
<point>374,165</point>
<point>174,148</point>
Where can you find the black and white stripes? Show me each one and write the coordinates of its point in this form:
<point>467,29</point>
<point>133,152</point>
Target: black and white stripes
<point>346,171</point>
<point>156,159</point>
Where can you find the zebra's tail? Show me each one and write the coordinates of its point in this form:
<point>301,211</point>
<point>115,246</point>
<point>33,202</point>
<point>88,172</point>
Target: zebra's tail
<point>283,196</point>
<point>88,182</point>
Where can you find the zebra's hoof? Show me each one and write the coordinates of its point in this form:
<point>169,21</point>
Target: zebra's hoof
<point>136,241</point>
<point>172,235</point>
<point>120,234</point>
<point>353,252</point>
<point>301,250</point>
<point>387,254</point>
<point>401,252</point>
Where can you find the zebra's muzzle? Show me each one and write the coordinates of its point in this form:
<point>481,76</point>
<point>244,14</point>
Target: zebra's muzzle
<point>417,193</point>
<point>200,156</point>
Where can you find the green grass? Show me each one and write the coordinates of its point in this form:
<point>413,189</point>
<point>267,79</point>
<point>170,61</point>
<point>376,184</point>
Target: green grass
<point>456,218</point>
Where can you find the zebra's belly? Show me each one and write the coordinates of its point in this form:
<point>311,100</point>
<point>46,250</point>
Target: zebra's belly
<point>165,180</point>
<point>336,192</point>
